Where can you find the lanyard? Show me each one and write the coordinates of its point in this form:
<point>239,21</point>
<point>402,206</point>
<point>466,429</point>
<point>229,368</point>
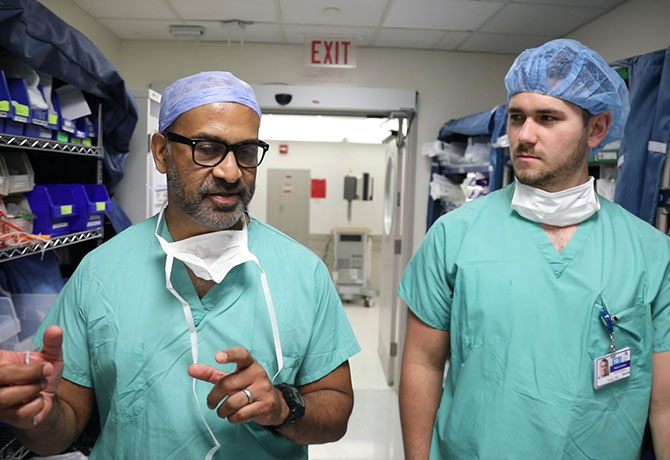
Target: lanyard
<point>608,321</point>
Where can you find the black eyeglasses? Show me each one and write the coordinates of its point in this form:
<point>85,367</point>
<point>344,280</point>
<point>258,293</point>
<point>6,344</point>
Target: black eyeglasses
<point>209,153</point>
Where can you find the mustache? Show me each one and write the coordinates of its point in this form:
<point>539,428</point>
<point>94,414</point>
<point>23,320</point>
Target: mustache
<point>526,149</point>
<point>221,186</point>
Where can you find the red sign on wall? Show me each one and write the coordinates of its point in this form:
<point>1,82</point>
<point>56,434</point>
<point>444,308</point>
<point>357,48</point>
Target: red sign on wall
<point>318,188</point>
<point>283,149</point>
<point>330,52</point>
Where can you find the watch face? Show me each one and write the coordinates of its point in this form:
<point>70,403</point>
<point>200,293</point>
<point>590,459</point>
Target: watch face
<point>295,395</point>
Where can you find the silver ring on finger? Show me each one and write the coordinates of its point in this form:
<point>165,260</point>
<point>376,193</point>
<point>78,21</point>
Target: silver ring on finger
<point>250,396</point>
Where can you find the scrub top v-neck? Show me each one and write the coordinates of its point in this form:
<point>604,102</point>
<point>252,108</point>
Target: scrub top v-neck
<point>525,330</point>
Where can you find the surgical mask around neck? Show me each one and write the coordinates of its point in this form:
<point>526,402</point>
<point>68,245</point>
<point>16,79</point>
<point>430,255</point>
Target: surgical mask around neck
<point>211,256</point>
<point>567,207</point>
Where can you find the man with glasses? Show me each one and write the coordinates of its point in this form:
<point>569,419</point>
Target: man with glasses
<point>200,332</point>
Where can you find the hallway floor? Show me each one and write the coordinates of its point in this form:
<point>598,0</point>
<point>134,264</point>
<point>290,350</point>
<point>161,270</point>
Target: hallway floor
<point>374,426</point>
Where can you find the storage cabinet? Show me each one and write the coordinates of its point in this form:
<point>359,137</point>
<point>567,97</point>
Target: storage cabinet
<point>54,161</point>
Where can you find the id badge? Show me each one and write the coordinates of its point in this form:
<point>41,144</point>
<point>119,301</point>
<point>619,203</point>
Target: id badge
<point>611,367</point>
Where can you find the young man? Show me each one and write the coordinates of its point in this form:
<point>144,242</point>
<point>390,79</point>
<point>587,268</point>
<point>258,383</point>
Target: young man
<point>201,332</point>
<point>527,289</point>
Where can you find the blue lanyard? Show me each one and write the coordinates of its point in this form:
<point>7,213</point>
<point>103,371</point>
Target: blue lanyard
<point>608,321</point>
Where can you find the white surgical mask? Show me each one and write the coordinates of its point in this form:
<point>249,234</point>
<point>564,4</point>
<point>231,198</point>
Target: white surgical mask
<point>211,256</point>
<point>567,207</point>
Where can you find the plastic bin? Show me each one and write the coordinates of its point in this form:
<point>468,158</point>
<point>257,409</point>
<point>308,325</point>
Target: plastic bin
<point>4,177</point>
<point>18,91</point>
<point>31,309</point>
<point>18,206</point>
<point>6,107</point>
<point>9,323</point>
<point>80,128</point>
<point>21,174</point>
<point>66,126</point>
<point>54,207</point>
<point>39,122</point>
<point>93,202</point>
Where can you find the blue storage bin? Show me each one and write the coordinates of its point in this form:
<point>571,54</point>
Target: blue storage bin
<point>65,126</point>
<point>18,92</point>
<point>80,128</point>
<point>39,122</point>
<point>93,202</point>
<point>54,207</point>
<point>6,107</point>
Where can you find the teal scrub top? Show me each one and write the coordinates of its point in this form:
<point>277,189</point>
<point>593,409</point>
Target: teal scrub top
<point>126,337</point>
<point>525,330</point>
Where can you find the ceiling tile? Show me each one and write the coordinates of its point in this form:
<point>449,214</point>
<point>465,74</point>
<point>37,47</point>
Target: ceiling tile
<point>408,38</point>
<point>497,43</point>
<point>546,20</point>
<point>365,13</point>
<point>255,33</point>
<point>297,34</point>
<point>452,40</point>
<point>441,14</point>
<point>217,10</point>
<point>606,4</point>
<point>145,9</point>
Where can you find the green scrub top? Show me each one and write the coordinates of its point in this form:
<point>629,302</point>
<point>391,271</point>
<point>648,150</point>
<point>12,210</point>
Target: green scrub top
<point>126,337</point>
<point>525,330</point>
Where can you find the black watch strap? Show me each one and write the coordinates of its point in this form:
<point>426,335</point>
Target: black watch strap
<point>295,403</point>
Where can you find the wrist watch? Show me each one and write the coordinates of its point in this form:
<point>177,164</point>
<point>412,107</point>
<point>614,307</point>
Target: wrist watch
<point>295,403</point>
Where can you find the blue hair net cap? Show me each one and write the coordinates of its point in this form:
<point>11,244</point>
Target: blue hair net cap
<point>200,89</point>
<point>571,71</point>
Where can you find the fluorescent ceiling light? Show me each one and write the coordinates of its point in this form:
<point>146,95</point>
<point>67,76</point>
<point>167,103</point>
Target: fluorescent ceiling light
<point>179,30</point>
<point>307,128</point>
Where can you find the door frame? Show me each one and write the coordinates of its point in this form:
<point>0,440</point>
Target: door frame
<point>385,103</point>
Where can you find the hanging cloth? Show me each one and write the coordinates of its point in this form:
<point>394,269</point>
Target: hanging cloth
<point>644,146</point>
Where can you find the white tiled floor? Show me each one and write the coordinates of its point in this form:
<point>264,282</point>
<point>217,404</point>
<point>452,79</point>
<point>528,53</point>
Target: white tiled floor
<point>374,426</point>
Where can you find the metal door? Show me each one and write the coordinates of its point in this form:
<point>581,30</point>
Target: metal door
<point>288,202</point>
<point>396,247</point>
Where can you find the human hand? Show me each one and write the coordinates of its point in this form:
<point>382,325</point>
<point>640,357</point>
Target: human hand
<point>265,406</point>
<point>28,381</point>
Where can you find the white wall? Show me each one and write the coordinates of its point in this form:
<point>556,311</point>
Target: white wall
<point>635,27</point>
<point>330,161</point>
<point>105,39</point>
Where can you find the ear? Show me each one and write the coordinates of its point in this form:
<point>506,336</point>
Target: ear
<point>159,151</point>
<point>598,127</point>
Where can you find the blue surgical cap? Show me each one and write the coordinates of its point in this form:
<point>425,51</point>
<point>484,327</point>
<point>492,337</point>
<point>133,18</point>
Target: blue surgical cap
<point>568,70</point>
<point>200,89</point>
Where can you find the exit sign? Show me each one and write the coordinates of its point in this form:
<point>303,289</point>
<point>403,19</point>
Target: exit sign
<point>330,52</point>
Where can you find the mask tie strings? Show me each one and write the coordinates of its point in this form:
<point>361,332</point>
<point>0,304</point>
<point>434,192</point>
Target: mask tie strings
<point>193,335</point>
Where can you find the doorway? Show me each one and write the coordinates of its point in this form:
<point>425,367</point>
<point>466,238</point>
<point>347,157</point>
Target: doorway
<point>335,132</point>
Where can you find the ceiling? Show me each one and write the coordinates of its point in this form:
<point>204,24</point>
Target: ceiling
<point>494,26</point>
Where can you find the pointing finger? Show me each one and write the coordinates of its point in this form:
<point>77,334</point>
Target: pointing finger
<point>206,373</point>
<point>238,355</point>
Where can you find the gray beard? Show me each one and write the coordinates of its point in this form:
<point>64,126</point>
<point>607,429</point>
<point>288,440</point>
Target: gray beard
<point>222,217</point>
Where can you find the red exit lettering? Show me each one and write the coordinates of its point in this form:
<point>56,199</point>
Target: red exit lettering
<point>330,52</point>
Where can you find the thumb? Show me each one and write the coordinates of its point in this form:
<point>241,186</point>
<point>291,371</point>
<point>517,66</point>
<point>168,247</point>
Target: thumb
<point>53,341</point>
